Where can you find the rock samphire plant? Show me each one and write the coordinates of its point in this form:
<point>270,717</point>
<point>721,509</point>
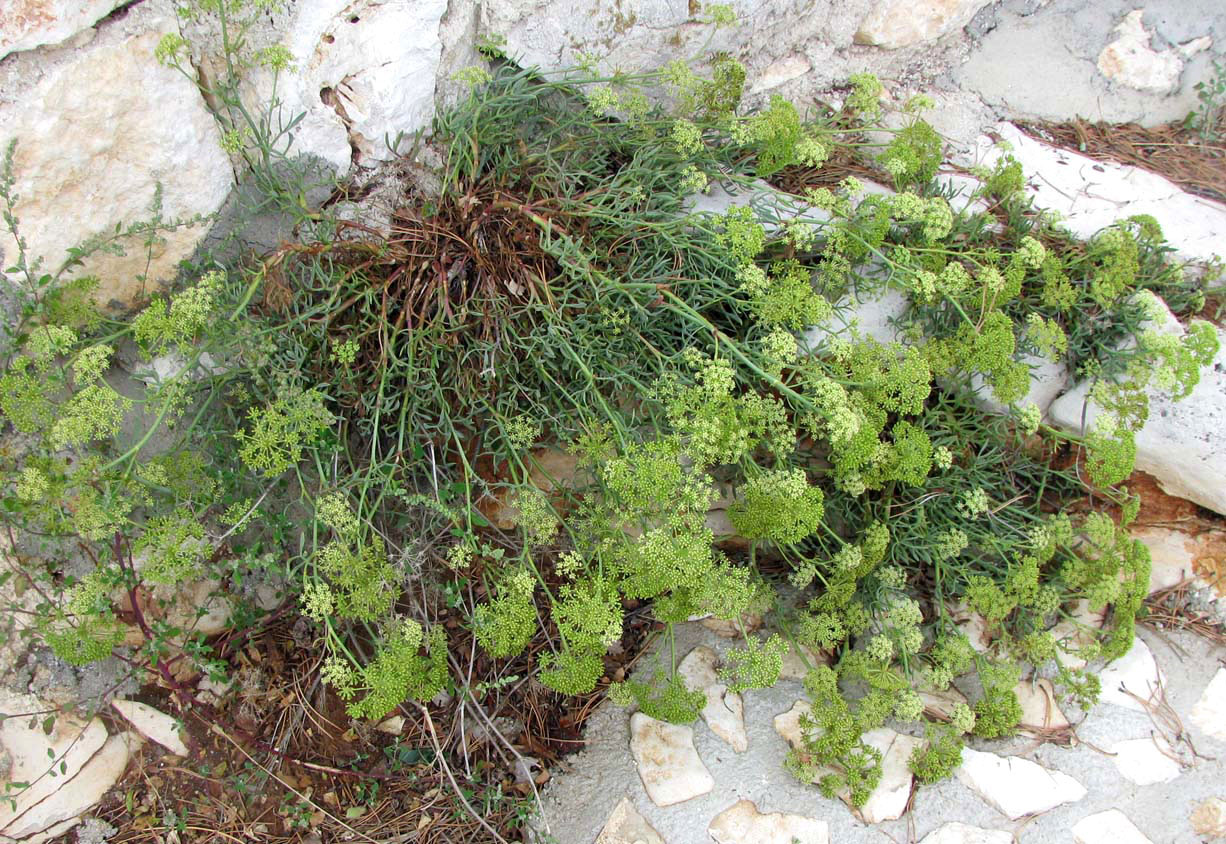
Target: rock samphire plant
<point>359,414</point>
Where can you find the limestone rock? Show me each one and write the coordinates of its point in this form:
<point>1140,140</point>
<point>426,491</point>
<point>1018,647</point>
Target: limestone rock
<point>1170,557</point>
<point>724,711</point>
<point>668,764</point>
<point>787,724</point>
<point>1016,787</point>
<point>1109,827</point>
<point>90,762</point>
<point>1039,708</point>
<point>1090,195</point>
<point>1209,713</point>
<point>960,833</point>
<point>364,73</point>
<point>27,24</point>
<point>96,135</point>
<point>771,206</point>
<point>627,826</point>
<point>900,23</point>
<point>1134,675</point>
<point>32,753</point>
<point>1146,761</point>
<point>972,625</point>
<point>1180,443</point>
<point>62,811</point>
<point>778,72</point>
<point>154,725</point>
<point>729,629</point>
<point>889,799</point>
<point>941,702</point>
<point>700,668</point>
<point>794,661</point>
<point>1209,818</point>
<point>187,601</point>
<point>874,316</point>
<point>393,726</point>
<point>1131,61</point>
<point>742,823</point>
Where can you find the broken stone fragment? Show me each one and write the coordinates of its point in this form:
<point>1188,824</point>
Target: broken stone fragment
<point>1131,61</point>
<point>1039,708</point>
<point>729,629</point>
<point>742,823</point>
<point>1146,761</point>
<point>1109,827</point>
<point>31,753</point>
<point>1209,818</point>
<point>941,702</point>
<point>889,799</point>
<point>1016,787</point>
<point>1133,680</point>
<point>724,711</point>
<point>85,762</point>
<point>960,833</point>
<point>787,724</point>
<point>74,796</point>
<point>1209,713</point>
<point>668,764</point>
<point>152,724</point>
<point>626,826</point>
<point>893,24</point>
<point>794,661</point>
<point>393,726</point>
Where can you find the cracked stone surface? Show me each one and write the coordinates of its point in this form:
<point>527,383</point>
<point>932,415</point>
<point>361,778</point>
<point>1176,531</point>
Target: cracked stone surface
<point>1040,711</point>
<point>1015,786</point>
<point>627,826</point>
<point>889,799</point>
<point>1109,827</point>
<point>900,23</point>
<point>1090,195</point>
<point>1131,59</point>
<point>27,24</point>
<point>1210,711</point>
<point>1132,676</point>
<point>1074,782</point>
<point>724,711</point>
<point>86,760</point>
<point>1146,761</point>
<point>152,724</point>
<point>670,767</point>
<point>960,833</point>
<point>742,823</point>
<point>138,126</point>
<point>1180,443</point>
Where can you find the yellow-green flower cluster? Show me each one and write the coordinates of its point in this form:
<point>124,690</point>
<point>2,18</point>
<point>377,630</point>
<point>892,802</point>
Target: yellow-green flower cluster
<point>280,431</point>
<point>686,138</point>
<point>504,625</point>
<point>173,547</point>
<point>186,317</point>
<point>780,506</point>
<point>93,413</point>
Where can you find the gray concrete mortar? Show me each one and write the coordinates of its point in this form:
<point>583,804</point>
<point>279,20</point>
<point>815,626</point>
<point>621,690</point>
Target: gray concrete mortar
<point>580,798</point>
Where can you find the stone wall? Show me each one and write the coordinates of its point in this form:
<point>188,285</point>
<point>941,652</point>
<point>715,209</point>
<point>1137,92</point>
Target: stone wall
<point>100,125</point>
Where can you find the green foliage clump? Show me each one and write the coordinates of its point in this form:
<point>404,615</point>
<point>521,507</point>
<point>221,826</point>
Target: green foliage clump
<point>558,289</point>
<point>780,506</point>
<point>281,430</point>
